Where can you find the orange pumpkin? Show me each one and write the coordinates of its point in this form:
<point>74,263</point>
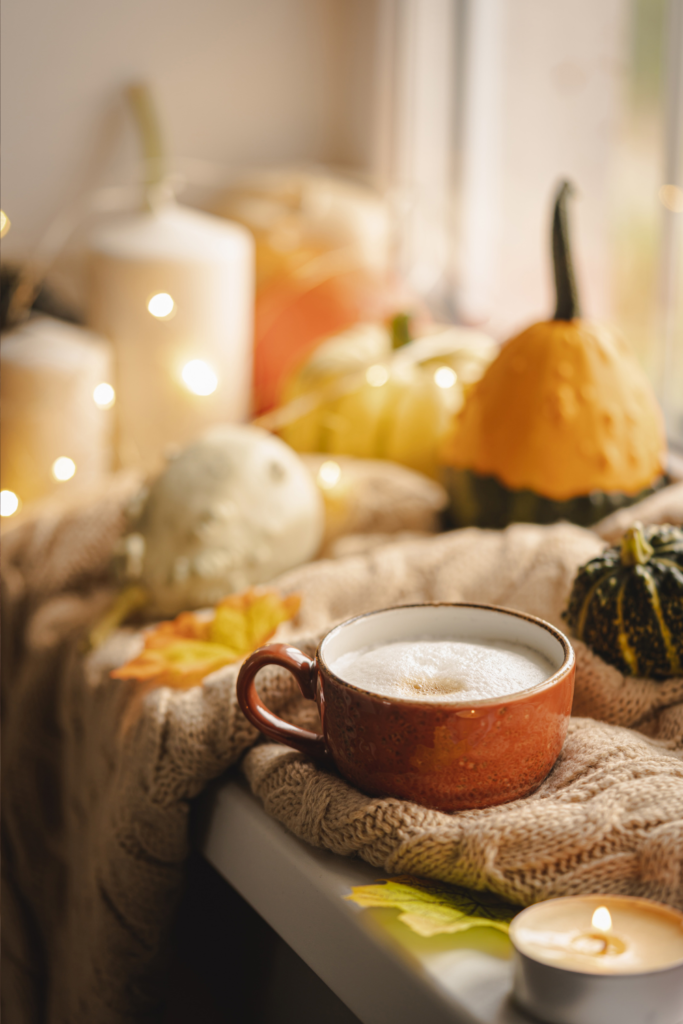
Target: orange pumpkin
<point>564,410</point>
<point>564,423</point>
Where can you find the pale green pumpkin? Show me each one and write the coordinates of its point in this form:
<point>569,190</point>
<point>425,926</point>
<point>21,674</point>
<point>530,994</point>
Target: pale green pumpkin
<point>367,399</point>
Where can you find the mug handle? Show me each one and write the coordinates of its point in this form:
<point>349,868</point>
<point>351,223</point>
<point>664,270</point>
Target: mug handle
<point>305,672</point>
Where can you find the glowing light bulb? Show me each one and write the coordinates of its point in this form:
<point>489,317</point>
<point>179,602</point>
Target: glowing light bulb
<point>376,375</point>
<point>199,378</point>
<point>5,225</point>
<point>9,503</point>
<point>445,377</point>
<point>161,305</point>
<point>63,468</point>
<point>671,196</point>
<point>104,396</point>
<point>328,475</point>
<point>602,919</point>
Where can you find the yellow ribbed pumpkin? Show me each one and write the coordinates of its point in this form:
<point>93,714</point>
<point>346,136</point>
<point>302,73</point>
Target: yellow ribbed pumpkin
<point>565,410</point>
<point>372,399</point>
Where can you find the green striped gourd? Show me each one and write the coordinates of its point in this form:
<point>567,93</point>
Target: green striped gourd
<point>627,604</point>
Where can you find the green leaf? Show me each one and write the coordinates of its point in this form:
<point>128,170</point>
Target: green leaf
<point>434,908</point>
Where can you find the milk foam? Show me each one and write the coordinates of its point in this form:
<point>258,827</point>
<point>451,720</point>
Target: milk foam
<point>440,671</point>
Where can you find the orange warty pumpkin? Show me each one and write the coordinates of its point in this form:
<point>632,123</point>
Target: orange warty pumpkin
<point>563,413</point>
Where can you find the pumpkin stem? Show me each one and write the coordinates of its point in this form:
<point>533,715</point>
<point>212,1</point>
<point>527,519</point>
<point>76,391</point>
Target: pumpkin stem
<point>635,550</point>
<point>565,285</point>
<point>399,327</point>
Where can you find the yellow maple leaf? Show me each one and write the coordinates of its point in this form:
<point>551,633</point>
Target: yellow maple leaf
<point>182,652</point>
<point>245,621</point>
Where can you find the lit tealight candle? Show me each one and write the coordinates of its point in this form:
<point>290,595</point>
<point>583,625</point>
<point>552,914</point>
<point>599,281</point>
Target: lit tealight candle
<point>600,960</point>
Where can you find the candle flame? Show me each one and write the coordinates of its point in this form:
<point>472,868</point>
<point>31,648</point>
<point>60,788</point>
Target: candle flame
<point>5,224</point>
<point>328,475</point>
<point>9,503</point>
<point>445,377</point>
<point>161,305</point>
<point>199,378</point>
<point>63,468</point>
<point>602,919</point>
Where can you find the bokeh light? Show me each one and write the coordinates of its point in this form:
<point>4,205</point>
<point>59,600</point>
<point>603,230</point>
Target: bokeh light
<point>328,475</point>
<point>104,396</point>
<point>199,378</point>
<point>9,503</point>
<point>377,375</point>
<point>63,468</point>
<point>445,377</point>
<point>161,305</point>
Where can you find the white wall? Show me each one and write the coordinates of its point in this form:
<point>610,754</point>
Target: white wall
<point>241,82</point>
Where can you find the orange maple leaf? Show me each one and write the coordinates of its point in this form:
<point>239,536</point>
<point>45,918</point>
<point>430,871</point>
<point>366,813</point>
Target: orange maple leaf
<point>182,652</point>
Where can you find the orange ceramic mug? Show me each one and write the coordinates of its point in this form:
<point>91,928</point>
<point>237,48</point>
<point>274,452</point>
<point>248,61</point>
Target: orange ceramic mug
<point>449,755</point>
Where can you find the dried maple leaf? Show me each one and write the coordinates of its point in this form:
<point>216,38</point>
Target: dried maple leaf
<point>182,652</point>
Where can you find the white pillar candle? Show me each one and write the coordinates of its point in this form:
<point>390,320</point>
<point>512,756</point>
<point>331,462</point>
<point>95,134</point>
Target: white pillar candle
<point>173,289</point>
<point>600,960</point>
<point>55,428</point>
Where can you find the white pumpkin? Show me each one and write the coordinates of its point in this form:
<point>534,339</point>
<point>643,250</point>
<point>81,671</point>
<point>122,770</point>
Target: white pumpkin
<point>234,509</point>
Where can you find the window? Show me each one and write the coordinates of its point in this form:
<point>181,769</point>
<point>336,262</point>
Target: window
<point>484,105</point>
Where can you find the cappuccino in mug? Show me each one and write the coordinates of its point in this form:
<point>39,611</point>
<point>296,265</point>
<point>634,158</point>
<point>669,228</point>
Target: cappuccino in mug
<point>443,671</point>
<point>453,706</point>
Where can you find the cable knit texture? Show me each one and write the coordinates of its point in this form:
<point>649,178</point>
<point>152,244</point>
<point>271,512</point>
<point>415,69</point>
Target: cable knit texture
<point>96,822</point>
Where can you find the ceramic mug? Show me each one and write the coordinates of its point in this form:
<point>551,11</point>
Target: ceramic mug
<point>449,756</point>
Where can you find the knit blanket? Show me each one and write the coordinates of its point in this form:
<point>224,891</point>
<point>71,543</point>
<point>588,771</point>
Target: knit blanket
<point>96,819</point>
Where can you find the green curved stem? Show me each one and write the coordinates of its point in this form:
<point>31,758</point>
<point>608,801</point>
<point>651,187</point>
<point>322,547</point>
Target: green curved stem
<point>635,550</point>
<point>565,285</point>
